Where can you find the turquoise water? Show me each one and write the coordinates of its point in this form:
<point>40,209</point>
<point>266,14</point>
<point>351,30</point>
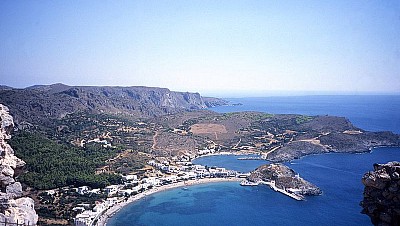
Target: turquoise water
<point>338,175</point>
<point>228,203</point>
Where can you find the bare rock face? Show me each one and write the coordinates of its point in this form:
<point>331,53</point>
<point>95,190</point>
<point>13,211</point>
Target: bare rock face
<point>382,194</point>
<point>13,208</point>
<point>14,190</point>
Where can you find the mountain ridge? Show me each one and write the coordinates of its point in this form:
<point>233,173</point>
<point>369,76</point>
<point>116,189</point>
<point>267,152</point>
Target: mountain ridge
<point>36,104</point>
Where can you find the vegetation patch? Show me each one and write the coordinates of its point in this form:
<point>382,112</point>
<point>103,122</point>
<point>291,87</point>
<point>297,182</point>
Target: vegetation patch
<point>51,165</point>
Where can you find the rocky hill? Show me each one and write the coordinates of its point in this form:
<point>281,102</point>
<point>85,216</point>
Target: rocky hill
<point>284,178</point>
<point>38,104</point>
<point>13,207</point>
<point>382,194</point>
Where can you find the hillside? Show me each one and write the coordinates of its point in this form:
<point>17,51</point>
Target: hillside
<point>38,104</point>
<point>278,137</point>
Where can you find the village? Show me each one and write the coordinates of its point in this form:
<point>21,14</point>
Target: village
<point>168,164</point>
<point>177,172</point>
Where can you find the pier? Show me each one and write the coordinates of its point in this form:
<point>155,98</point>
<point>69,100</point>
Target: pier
<point>283,191</point>
<point>272,185</point>
<point>249,183</point>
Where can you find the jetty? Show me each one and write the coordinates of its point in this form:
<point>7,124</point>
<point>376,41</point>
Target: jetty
<point>295,196</point>
<point>249,183</point>
<point>272,185</point>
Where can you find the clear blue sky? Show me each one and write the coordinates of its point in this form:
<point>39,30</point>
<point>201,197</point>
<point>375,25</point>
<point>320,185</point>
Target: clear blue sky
<point>204,46</point>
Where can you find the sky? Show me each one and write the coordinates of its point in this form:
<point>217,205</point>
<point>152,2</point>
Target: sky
<point>215,47</point>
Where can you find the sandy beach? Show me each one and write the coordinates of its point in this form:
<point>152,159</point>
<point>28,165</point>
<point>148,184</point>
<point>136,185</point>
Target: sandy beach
<point>111,211</point>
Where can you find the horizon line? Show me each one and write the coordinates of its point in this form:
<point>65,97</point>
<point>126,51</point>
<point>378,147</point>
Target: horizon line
<point>241,93</point>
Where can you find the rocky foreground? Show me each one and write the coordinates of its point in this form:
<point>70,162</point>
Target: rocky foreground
<point>284,178</point>
<point>13,207</point>
<point>382,194</point>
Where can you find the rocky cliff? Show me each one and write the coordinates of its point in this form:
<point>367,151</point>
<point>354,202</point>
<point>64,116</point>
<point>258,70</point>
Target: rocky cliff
<point>382,194</point>
<point>38,104</point>
<point>13,208</point>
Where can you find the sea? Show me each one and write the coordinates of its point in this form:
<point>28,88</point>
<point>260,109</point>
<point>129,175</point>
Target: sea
<point>338,175</point>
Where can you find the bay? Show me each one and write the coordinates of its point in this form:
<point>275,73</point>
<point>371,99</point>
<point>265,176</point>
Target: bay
<point>338,175</point>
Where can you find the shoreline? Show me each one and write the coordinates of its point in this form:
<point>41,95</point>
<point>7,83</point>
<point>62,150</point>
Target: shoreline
<point>105,216</point>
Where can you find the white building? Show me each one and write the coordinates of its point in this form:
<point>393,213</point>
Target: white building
<point>199,167</point>
<point>95,191</point>
<point>170,179</point>
<point>99,207</point>
<point>153,181</point>
<point>85,218</point>
<point>137,188</point>
<point>130,177</point>
<point>203,152</point>
<point>126,192</point>
<point>112,189</point>
<point>82,190</point>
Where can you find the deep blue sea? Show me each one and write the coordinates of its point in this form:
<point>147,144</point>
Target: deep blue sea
<point>338,175</point>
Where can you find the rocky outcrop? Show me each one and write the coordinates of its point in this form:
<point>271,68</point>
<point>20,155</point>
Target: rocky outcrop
<point>382,194</point>
<point>38,104</point>
<point>214,102</point>
<point>13,208</point>
<point>284,178</point>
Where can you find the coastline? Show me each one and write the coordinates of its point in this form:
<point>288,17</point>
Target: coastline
<point>103,219</point>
